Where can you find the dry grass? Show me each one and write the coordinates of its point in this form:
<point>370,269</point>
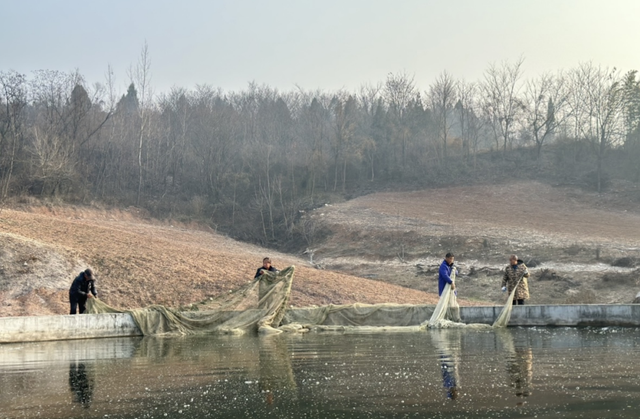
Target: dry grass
<point>141,262</point>
<point>511,210</point>
<point>399,236</point>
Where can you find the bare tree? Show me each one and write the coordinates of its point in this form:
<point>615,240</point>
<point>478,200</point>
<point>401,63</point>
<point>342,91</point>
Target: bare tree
<point>314,125</point>
<point>599,98</point>
<point>345,136</point>
<point>369,97</point>
<point>111,102</point>
<point>369,101</point>
<point>399,90</point>
<point>546,99</point>
<point>442,99</point>
<point>60,105</point>
<point>469,124</point>
<point>13,99</point>
<point>141,76</point>
<point>502,104</point>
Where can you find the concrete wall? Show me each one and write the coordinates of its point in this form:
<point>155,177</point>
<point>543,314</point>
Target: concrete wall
<point>42,328</point>
<point>599,315</point>
<point>81,326</point>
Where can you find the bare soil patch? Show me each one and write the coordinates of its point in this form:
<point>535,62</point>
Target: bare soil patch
<point>385,247</point>
<point>141,262</point>
<point>581,247</point>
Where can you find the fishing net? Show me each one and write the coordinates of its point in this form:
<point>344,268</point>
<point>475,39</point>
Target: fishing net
<point>377,318</point>
<point>256,307</point>
<point>261,307</point>
<point>446,315</point>
<point>447,310</point>
<point>505,314</point>
<point>357,318</point>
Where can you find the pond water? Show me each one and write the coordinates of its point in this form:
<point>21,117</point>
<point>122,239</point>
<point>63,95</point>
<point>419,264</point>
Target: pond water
<point>523,372</point>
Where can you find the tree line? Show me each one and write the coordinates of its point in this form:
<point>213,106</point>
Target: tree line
<point>251,162</point>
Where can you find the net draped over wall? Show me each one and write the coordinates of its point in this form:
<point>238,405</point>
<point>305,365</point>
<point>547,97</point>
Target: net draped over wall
<point>261,307</point>
<point>375,318</point>
<point>250,309</point>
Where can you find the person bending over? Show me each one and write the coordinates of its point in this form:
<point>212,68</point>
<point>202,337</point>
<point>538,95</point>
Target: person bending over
<point>266,266</point>
<point>82,287</point>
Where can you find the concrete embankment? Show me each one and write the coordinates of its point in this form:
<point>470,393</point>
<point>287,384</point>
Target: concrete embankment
<point>580,315</point>
<point>85,326</point>
<point>43,328</point>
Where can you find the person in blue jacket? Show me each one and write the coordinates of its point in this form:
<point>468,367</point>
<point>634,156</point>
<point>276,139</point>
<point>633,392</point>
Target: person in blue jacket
<point>445,272</point>
<point>82,287</point>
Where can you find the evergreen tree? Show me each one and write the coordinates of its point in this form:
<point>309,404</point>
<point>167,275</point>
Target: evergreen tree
<point>129,103</point>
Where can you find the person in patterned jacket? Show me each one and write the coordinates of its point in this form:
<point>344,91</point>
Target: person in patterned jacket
<point>512,273</point>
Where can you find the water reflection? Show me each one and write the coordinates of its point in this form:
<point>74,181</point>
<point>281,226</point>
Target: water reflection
<point>519,362</point>
<point>445,374</point>
<point>447,344</point>
<point>276,372</point>
<point>81,383</point>
<point>521,371</point>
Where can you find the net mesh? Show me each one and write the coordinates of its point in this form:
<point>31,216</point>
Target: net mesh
<point>261,307</point>
<point>505,315</point>
<point>255,307</point>
<point>447,312</point>
<point>357,318</point>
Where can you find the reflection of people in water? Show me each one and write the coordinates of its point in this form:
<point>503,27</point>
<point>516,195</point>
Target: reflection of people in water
<point>276,373</point>
<point>447,343</point>
<point>519,363</point>
<point>449,373</point>
<point>520,368</point>
<point>81,383</point>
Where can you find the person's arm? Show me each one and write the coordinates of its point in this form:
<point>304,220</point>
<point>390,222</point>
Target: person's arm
<point>273,269</point>
<point>258,273</point>
<point>445,274</point>
<point>92,288</point>
<point>77,285</point>
<point>505,277</point>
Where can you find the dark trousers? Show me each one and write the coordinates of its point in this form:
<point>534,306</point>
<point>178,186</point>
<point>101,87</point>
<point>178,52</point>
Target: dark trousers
<point>77,302</point>
<point>518,302</point>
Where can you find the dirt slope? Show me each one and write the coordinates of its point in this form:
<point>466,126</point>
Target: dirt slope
<point>582,247</point>
<point>140,262</point>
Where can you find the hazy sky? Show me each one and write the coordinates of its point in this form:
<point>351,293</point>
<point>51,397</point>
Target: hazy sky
<point>325,44</point>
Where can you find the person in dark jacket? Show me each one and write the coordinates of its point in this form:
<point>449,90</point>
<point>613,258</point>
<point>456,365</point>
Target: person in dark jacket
<point>82,287</point>
<point>266,266</point>
<point>445,272</point>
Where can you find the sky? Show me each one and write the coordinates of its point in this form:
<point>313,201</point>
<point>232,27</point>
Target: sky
<point>323,44</point>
